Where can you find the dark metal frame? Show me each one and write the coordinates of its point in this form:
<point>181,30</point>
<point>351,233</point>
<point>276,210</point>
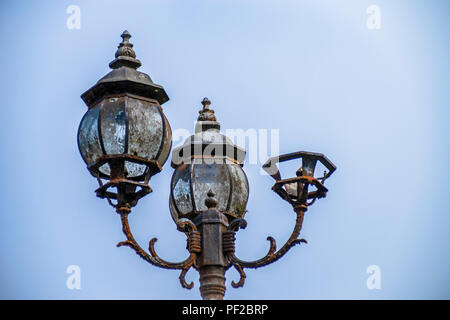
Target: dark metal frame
<point>211,236</point>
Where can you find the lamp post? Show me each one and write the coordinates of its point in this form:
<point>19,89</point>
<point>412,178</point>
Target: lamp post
<point>125,139</point>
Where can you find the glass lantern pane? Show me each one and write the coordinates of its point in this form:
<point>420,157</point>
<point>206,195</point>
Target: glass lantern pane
<point>173,211</point>
<point>167,143</point>
<point>240,190</point>
<point>88,138</point>
<point>291,189</point>
<point>145,128</point>
<point>181,189</point>
<point>308,166</point>
<point>134,169</point>
<point>211,177</point>
<point>113,125</point>
<point>105,169</point>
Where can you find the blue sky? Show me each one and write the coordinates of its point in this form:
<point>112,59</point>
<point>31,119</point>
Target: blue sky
<point>374,101</point>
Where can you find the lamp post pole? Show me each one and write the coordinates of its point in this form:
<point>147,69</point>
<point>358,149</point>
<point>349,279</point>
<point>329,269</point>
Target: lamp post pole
<point>125,139</point>
<point>211,261</point>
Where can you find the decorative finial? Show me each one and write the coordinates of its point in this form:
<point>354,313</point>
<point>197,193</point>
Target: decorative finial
<point>211,202</point>
<point>125,35</point>
<point>125,48</point>
<point>125,55</point>
<point>206,114</point>
<point>206,103</point>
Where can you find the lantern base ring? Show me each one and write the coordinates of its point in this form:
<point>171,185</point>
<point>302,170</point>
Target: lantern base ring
<point>126,191</point>
<point>153,167</point>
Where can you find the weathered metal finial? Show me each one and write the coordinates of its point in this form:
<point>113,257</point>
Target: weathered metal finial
<point>125,48</point>
<point>206,114</point>
<point>211,202</point>
<point>206,103</point>
<point>125,36</point>
<point>125,55</point>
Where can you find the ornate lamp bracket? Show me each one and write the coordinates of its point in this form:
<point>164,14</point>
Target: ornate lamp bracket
<point>294,191</point>
<point>193,246</point>
<point>124,138</point>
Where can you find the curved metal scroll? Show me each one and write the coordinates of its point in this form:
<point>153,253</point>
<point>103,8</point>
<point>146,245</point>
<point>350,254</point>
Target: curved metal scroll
<point>153,257</point>
<point>272,255</point>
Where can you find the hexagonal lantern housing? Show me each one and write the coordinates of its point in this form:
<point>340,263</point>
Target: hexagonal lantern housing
<point>124,137</point>
<point>296,190</point>
<point>208,161</point>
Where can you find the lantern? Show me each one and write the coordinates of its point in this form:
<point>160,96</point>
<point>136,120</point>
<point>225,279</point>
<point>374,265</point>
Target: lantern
<point>124,137</point>
<point>208,161</point>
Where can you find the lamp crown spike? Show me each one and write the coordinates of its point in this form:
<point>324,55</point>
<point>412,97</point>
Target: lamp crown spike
<point>125,55</point>
<point>125,48</point>
<point>206,114</point>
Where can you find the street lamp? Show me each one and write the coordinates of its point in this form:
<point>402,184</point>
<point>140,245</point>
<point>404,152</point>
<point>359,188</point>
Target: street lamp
<point>125,139</point>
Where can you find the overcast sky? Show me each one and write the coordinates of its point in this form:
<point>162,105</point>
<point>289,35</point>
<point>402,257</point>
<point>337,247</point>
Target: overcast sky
<point>374,100</point>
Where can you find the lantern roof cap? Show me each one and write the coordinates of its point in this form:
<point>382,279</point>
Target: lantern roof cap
<point>206,119</point>
<point>124,78</point>
<point>125,55</point>
<point>207,141</point>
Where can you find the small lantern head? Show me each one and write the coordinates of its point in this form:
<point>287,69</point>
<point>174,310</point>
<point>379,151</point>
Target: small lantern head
<point>208,161</point>
<point>295,190</point>
<point>124,137</point>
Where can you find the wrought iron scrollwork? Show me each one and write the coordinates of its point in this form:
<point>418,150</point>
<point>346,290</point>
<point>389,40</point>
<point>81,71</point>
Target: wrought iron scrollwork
<point>272,254</point>
<point>296,191</point>
<point>194,247</point>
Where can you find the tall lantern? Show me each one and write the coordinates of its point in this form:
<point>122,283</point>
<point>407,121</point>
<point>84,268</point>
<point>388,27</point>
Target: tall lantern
<point>124,137</point>
<point>208,161</point>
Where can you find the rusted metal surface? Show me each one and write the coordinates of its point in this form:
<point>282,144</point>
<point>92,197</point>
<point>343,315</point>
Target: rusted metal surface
<point>124,138</point>
<point>212,282</point>
<point>199,170</point>
<point>272,255</point>
<point>207,143</point>
<point>193,240</point>
<point>211,261</point>
<point>300,200</point>
<point>125,78</point>
<point>204,242</point>
<point>191,183</point>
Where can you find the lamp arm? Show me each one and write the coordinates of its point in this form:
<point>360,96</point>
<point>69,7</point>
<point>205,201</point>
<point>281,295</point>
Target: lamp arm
<point>153,258</point>
<point>272,254</point>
